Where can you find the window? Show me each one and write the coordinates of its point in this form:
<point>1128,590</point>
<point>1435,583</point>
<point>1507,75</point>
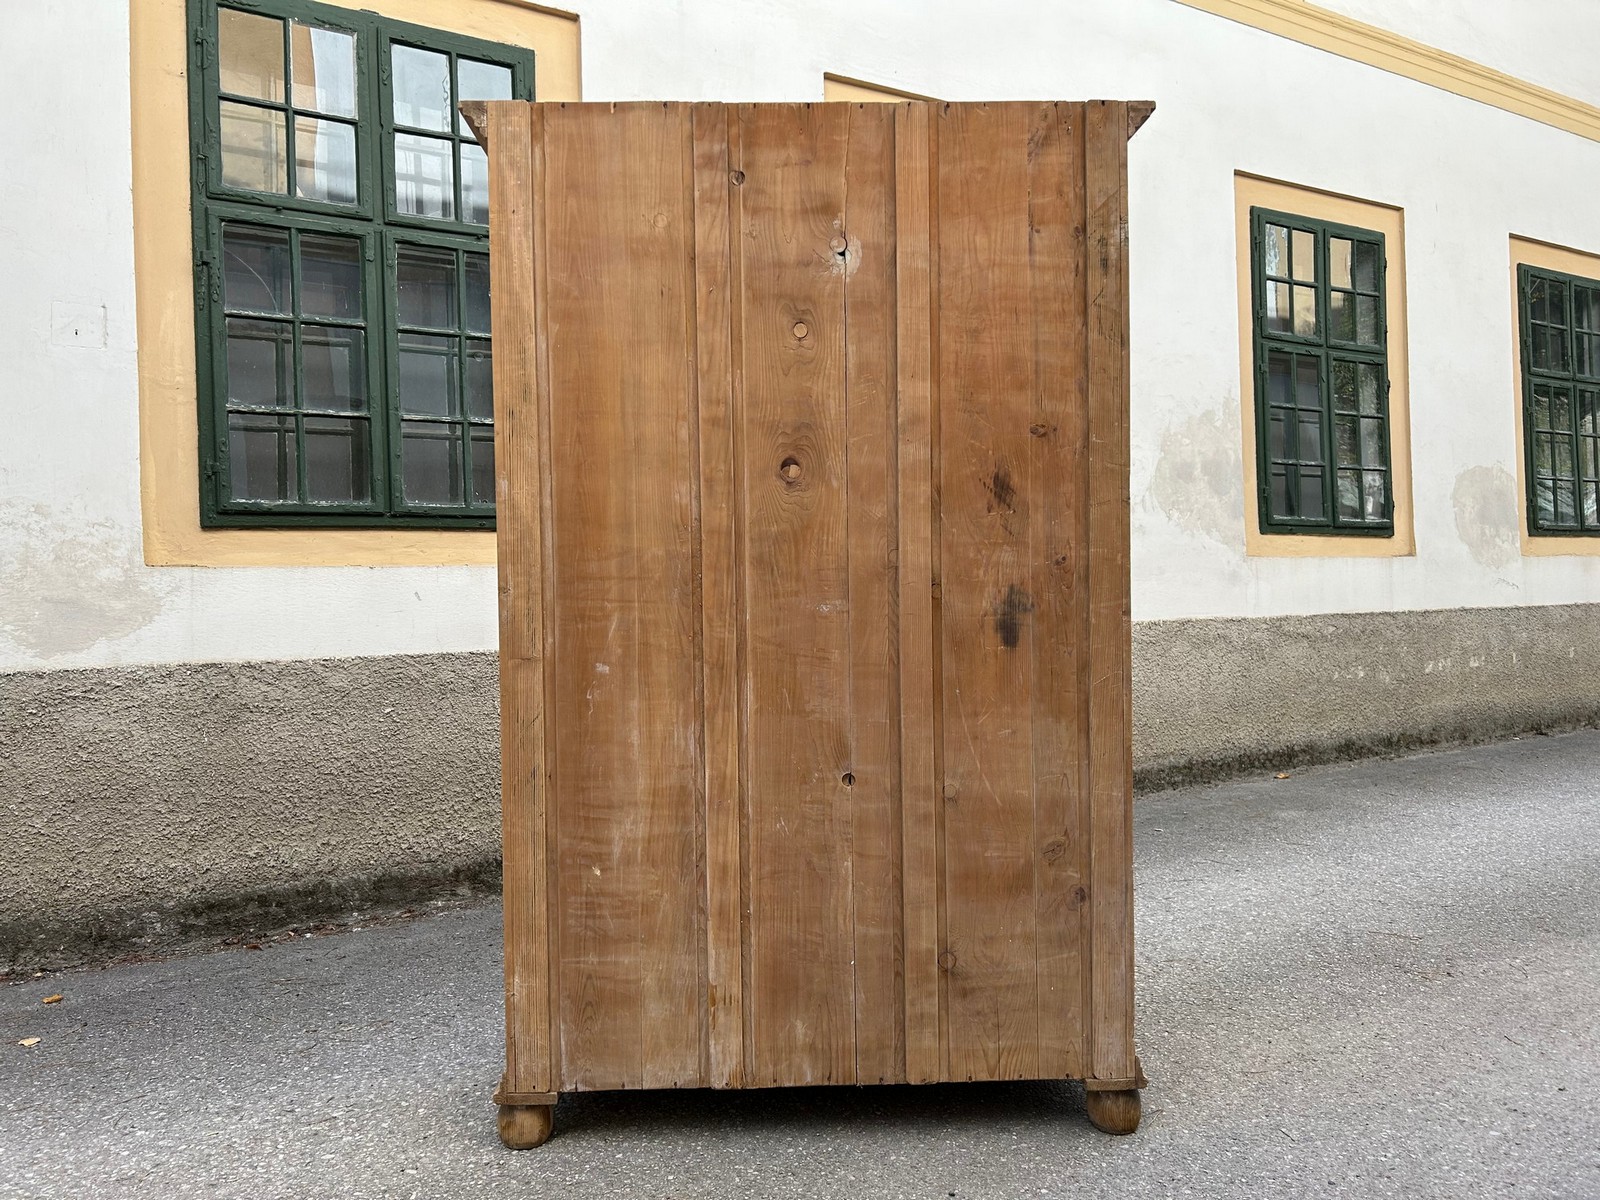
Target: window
<point>1321,377</point>
<point>340,210</point>
<point>1560,344</point>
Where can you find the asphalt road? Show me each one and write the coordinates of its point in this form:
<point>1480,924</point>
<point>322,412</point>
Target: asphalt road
<point>1377,980</point>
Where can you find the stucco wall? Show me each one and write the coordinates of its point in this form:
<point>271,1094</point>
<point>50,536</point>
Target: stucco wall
<point>73,588</point>
<point>154,803</point>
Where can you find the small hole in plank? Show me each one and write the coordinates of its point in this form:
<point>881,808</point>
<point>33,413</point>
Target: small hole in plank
<point>789,468</point>
<point>848,779</point>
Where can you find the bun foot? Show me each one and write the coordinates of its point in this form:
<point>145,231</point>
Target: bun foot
<point>1114,1112</point>
<point>524,1126</point>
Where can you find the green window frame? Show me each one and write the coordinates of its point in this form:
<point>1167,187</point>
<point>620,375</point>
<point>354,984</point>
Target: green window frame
<point>340,210</point>
<point>1320,355</point>
<point>1560,335</point>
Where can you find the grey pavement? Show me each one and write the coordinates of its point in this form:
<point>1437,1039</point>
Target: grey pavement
<point>1372,980</point>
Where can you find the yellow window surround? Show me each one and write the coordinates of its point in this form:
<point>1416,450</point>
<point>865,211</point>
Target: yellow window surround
<point>163,255</point>
<point>1251,191</point>
<point>1376,47</point>
<point>1549,257</point>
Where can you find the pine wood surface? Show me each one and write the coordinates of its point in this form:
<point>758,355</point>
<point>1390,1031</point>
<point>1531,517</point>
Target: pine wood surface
<point>813,463</point>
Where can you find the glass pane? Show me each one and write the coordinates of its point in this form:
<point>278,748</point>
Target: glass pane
<point>1343,378</point>
<point>1309,446</point>
<point>1588,416</point>
<point>424,177</point>
<point>260,363</point>
<point>481,81</point>
<point>1586,309</point>
<point>333,372</point>
<point>1372,442</point>
<point>1277,435</point>
<point>1311,496</point>
<point>427,375</point>
<point>1305,311</point>
<point>325,160</point>
<point>1591,505</point>
<point>1541,408</point>
<point>1564,466</point>
<point>1278,494</point>
<point>1376,493</point>
<point>1278,368</point>
<point>1560,411</point>
<point>255,269</point>
<point>1277,308</point>
<point>1342,316</point>
<point>1368,266</point>
<point>1545,501</point>
<point>1304,255</point>
<point>1548,300</point>
<point>1588,454</point>
<point>1370,394</point>
<point>1347,495</point>
<point>330,276</point>
<point>261,457</point>
<point>480,381</point>
<point>1566,510</point>
<point>1349,441</point>
<point>1588,347</point>
<point>477,294</point>
<point>254,149</point>
<point>1276,247</point>
<point>482,467</point>
<point>421,87</point>
<point>430,463</point>
<point>474,184</point>
<point>324,69</point>
<point>249,54</point>
<point>426,281</point>
<point>1543,456</point>
<point>336,460</point>
<point>1367,320</point>
<point>1339,265</point>
<point>1308,392</point>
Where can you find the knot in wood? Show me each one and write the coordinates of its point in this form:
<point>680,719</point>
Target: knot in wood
<point>801,329</point>
<point>947,961</point>
<point>789,468</point>
<point>1038,429</point>
<point>838,244</point>
<point>736,177</point>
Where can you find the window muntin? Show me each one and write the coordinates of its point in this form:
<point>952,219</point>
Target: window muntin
<point>326,395</point>
<point>1321,376</point>
<point>1560,319</point>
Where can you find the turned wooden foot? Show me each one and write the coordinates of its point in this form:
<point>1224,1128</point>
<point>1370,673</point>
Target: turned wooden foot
<point>1114,1112</point>
<point>524,1126</point>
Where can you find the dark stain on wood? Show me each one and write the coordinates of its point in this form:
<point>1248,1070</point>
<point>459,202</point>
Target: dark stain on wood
<point>1008,614</point>
<point>1002,488</point>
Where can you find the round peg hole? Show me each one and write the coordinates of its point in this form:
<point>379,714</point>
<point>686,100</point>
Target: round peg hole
<point>848,779</point>
<point>789,468</point>
<point>838,244</point>
<point>801,329</point>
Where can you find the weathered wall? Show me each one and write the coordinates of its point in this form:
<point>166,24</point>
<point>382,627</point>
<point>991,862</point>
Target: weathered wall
<point>148,803</point>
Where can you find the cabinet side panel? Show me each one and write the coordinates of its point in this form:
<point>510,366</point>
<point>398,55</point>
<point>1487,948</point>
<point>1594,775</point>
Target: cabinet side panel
<point>1110,653</point>
<point>513,183</point>
<point>988,609</point>
<point>619,246</point>
<point>796,586</point>
<point>867,262</point>
<point>1057,551</point>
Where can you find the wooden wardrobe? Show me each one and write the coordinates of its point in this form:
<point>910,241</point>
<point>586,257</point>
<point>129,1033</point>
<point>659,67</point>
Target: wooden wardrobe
<point>812,450</point>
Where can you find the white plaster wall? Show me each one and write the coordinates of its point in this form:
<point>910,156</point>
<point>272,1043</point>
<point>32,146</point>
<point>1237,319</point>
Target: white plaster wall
<point>74,592</point>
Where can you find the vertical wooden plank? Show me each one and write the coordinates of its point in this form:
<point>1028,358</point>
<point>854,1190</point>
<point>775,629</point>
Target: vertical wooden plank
<point>1060,567</point>
<point>797,595</point>
<point>515,186</point>
<point>864,254</point>
<point>1110,673</point>
<point>918,648</point>
<point>719,597</point>
<point>625,725</point>
<point>986,400</point>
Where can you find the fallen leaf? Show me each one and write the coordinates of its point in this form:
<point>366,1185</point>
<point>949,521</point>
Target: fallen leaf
<point>252,945</point>
<point>1281,775</point>
<point>28,1042</point>
<point>56,999</point>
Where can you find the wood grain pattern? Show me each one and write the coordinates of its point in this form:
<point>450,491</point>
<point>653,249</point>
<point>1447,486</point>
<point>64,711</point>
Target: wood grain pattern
<point>918,653</point>
<point>1110,633</point>
<point>796,595</point>
<point>813,452</point>
<point>986,510</point>
<point>864,252</point>
<point>520,549</point>
<point>627,745</point>
<point>719,597</point>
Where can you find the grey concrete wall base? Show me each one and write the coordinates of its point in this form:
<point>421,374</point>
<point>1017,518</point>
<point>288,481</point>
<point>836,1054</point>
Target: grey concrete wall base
<point>142,808</point>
